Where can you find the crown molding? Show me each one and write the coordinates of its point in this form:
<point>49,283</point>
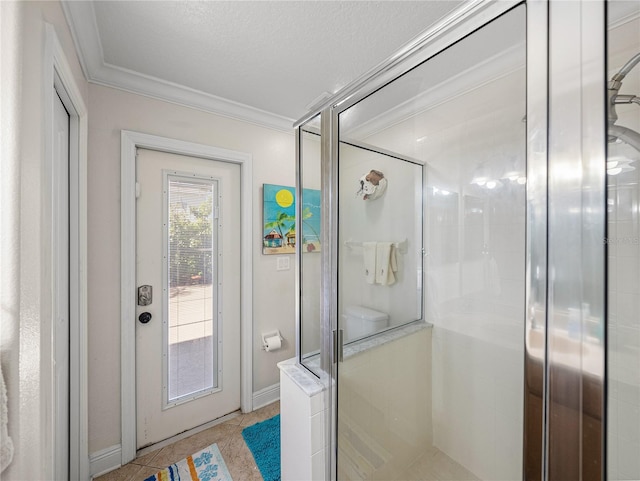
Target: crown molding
<point>81,18</point>
<point>134,82</point>
<point>82,22</point>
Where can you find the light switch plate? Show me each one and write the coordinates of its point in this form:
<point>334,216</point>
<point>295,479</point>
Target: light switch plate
<point>282,264</point>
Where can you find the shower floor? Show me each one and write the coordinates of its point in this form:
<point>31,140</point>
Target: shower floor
<point>433,465</point>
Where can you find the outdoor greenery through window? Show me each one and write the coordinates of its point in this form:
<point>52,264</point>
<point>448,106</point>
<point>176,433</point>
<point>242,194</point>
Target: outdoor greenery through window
<point>190,231</point>
<point>191,276</point>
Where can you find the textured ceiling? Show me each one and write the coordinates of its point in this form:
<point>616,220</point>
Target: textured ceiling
<point>270,56</point>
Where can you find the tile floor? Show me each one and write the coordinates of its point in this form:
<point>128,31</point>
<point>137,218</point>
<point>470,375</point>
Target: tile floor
<point>432,466</point>
<point>227,435</point>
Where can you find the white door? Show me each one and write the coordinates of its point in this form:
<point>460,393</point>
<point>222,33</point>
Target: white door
<point>187,234</point>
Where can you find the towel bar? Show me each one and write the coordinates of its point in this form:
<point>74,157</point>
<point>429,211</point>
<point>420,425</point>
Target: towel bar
<point>401,246</point>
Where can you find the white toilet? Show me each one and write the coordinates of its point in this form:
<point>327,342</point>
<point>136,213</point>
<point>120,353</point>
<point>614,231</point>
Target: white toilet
<point>361,321</point>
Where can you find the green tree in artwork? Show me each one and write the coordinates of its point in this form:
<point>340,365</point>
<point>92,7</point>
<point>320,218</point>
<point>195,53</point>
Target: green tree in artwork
<point>281,223</point>
<point>307,214</point>
<point>190,243</point>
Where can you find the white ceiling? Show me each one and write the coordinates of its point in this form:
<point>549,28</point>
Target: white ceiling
<point>262,61</point>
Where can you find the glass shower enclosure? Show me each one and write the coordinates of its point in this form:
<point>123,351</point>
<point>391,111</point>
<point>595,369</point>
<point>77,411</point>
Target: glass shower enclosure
<point>454,300</point>
<point>453,159</point>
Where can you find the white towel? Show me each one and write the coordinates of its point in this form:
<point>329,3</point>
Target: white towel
<point>386,263</point>
<point>6,445</point>
<point>369,255</point>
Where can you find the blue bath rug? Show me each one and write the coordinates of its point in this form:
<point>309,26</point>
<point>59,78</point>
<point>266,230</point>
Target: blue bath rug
<point>263,439</point>
<point>205,465</point>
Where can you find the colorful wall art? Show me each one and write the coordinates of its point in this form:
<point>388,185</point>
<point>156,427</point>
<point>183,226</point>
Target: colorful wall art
<point>279,220</point>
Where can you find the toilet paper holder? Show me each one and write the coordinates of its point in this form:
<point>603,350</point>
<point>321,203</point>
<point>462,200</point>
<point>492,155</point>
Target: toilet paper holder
<point>266,335</point>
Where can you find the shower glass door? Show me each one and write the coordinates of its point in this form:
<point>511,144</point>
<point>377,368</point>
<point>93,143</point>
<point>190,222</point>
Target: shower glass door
<point>431,181</point>
<point>623,242</point>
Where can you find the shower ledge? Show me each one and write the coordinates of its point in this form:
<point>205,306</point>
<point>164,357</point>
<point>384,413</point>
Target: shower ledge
<point>362,345</point>
<point>356,347</point>
<point>306,381</point>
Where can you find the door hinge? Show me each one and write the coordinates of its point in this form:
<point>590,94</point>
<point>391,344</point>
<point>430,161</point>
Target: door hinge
<point>137,190</point>
<point>216,212</point>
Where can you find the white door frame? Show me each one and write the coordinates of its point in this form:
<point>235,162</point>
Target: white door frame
<point>130,141</point>
<point>59,79</point>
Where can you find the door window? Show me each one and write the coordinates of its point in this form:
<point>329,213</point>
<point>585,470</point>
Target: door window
<point>191,276</point>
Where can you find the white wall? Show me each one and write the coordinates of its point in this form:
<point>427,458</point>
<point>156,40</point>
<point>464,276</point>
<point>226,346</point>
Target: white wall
<point>26,257</point>
<point>394,217</point>
<point>273,291</point>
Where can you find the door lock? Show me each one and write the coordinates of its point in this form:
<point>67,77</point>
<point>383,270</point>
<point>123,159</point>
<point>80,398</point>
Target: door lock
<point>145,295</point>
<point>144,317</point>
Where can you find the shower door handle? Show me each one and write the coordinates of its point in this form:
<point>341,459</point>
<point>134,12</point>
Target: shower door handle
<point>338,340</point>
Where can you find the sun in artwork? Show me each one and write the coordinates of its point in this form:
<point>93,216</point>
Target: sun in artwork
<point>284,198</point>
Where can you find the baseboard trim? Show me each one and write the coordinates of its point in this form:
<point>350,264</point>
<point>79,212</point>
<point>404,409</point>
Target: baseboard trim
<point>266,396</point>
<point>104,461</point>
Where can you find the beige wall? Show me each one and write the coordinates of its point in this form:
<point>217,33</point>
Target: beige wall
<point>25,254</point>
<point>25,222</point>
<point>111,111</point>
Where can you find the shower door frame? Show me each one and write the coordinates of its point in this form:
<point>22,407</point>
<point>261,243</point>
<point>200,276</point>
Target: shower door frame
<point>566,132</point>
<point>575,394</point>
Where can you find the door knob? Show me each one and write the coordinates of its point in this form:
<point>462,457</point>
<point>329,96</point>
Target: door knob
<point>144,317</point>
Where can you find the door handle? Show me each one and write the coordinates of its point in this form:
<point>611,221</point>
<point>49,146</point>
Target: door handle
<point>338,345</point>
<point>144,317</point>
